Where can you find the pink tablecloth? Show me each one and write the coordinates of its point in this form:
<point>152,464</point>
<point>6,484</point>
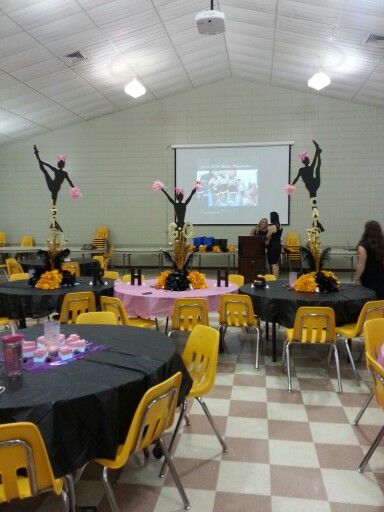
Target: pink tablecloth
<point>146,301</point>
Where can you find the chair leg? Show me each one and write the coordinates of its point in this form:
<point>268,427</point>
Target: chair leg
<point>183,408</point>
<point>213,424</point>
<point>174,474</point>
<point>222,331</point>
<point>257,347</point>
<point>109,491</point>
<point>363,408</point>
<point>187,420</point>
<point>284,354</point>
<point>288,367</point>
<point>337,364</point>
<point>65,499</point>
<point>369,453</point>
<point>71,492</point>
<point>329,357</point>
<point>352,361</point>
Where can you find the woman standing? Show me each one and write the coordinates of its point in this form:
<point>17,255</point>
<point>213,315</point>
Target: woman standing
<point>261,229</point>
<point>370,258</point>
<point>273,241</point>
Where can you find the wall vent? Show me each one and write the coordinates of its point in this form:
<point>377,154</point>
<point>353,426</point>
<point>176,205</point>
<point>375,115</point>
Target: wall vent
<point>375,41</point>
<point>74,58</point>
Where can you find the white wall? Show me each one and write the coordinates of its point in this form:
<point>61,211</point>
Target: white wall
<point>114,160</point>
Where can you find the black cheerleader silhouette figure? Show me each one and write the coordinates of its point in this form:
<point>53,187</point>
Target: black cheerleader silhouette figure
<point>179,206</point>
<point>310,175</point>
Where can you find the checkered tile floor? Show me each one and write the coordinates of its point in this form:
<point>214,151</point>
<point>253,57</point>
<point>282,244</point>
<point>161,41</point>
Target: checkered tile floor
<point>288,452</point>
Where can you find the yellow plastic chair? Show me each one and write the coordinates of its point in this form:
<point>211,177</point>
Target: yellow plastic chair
<point>188,312</point>
<point>26,241</point>
<point>237,279</point>
<point>71,266</point>
<point>154,414</point>
<point>313,325</point>
<point>292,249</point>
<point>97,318</point>
<point>100,258</point>
<point>115,305</point>
<point>21,276</point>
<point>371,309</point>
<point>268,277</point>
<point>25,467</point>
<point>74,304</point>
<point>374,338</point>
<point>111,274</point>
<point>13,266</point>
<point>200,359</point>
<point>236,310</point>
<point>101,232</point>
<point>3,238</point>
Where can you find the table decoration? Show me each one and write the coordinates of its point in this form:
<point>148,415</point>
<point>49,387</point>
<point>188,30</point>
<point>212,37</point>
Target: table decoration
<point>51,276</point>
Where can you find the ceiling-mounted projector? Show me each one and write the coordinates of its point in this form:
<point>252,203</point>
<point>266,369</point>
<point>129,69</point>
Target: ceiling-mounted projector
<point>210,22</point>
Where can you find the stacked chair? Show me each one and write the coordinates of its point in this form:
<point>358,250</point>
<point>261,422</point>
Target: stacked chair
<point>292,250</point>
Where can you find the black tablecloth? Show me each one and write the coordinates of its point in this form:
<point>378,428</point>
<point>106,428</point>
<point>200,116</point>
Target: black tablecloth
<point>279,304</point>
<point>18,300</point>
<point>88,266</point>
<point>84,408</point>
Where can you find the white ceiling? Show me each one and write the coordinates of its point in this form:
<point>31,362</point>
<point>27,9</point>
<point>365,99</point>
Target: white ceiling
<point>278,42</point>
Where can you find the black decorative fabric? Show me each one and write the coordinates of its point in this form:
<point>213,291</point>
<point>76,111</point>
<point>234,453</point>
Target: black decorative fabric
<point>279,304</point>
<point>20,301</point>
<point>84,408</point>
<point>87,265</point>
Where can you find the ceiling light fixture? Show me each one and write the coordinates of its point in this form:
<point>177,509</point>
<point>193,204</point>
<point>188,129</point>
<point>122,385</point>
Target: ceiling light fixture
<point>135,88</point>
<point>319,80</point>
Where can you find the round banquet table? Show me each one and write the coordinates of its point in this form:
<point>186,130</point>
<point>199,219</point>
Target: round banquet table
<point>146,301</point>
<point>88,266</point>
<point>19,300</point>
<point>278,304</point>
<point>84,408</point>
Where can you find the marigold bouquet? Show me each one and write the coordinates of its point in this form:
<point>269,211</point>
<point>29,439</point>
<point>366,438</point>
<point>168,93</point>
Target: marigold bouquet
<point>179,281</point>
<point>49,280</point>
<point>324,281</point>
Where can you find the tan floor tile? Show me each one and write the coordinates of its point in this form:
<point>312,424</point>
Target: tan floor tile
<point>140,498</point>
<point>246,450</point>
<point>234,502</point>
<point>335,456</point>
<point>295,482</point>
<point>195,473</point>
<point>249,380</point>
<point>252,428</point>
<point>326,414</point>
<point>256,394</point>
<point>316,384</point>
<point>365,433</point>
<point>355,400</point>
<point>286,412</point>
<point>170,500</point>
<point>200,424</point>
<point>196,446</point>
<point>220,392</point>
<point>289,430</point>
<point>248,409</point>
<point>283,396</point>
<point>350,507</point>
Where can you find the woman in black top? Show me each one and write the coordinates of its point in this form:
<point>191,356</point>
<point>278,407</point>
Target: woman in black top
<point>273,241</point>
<point>370,259</point>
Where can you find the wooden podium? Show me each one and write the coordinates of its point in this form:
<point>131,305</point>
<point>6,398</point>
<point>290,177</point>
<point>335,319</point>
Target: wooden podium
<point>252,258</point>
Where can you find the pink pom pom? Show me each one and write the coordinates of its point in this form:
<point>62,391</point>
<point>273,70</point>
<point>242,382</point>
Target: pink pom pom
<point>61,158</point>
<point>303,155</point>
<point>197,185</point>
<point>289,189</point>
<point>75,193</point>
<point>157,186</point>
<point>179,190</point>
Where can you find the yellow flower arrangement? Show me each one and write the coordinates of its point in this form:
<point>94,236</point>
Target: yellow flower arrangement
<point>305,283</point>
<point>197,280</point>
<point>231,248</point>
<point>314,282</point>
<point>49,280</point>
<point>202,248</point>
<point>216,248</point>
<point>160,281</point>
